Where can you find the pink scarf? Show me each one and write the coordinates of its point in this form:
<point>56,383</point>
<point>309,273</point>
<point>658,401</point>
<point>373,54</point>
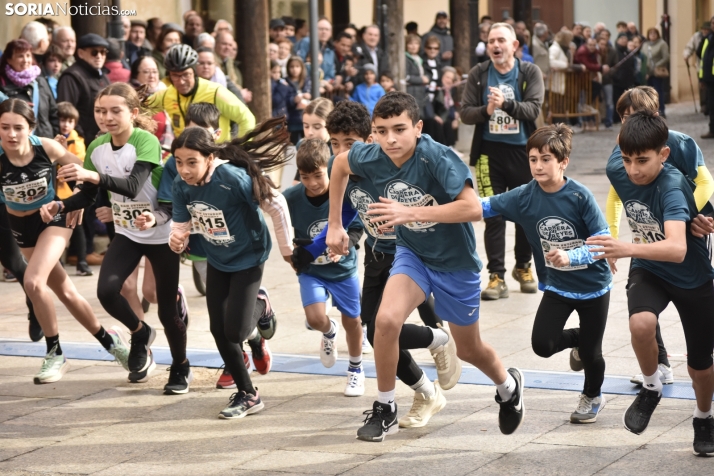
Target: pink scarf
<point>24,77</point>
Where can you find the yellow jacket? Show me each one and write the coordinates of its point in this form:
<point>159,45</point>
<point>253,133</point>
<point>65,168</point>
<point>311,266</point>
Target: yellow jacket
<point>75,145</point>
<point>232,109</point>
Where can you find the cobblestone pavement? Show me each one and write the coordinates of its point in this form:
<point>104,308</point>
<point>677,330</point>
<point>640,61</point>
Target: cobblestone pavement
<point>92,422</point>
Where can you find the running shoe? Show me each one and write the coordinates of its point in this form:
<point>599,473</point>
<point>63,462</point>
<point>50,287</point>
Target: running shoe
<point>448,365</point>
<point>53,367</point>
<point>703,436</point>
<point>576,365</point>
<point>8,276</point>
<point>637,416</point>
<point>145,305</point>
<point>666,376</point>
<point>355,382</point>
<point>140,348</point>
<point>423,408</point>
<point>242,404</point>
<point>182,305</point>
<point>143,376</point>
<point>511,414</point>
<point>34,328</point>
<point>226,379</point>
<point>366,347</point>
<point>588,409</point>
<point>119,349</point>
<point>83,269</point>
<point>180,377</point>
<point>267,322</point>
<point>524,276</point>
<point>328,350</point>
<point>262,357</point>
<point>495,289</point>
<point>379,422</point>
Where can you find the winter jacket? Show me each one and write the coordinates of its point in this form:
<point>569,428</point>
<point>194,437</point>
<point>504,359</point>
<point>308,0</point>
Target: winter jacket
<point>625,75</point>
<point>79,85</point>
<point>706,53</point>
<point>473,109</point>
<point>117,73</point>
<point>368,95</point>
<point>541,56</point>
<point>657,53</point>
<point>46,110</point>
<point>608,57</point>
<point>302,49</point>
<point>446,41</point>
<point>295,114</point>
<point>415,81</point>
<point>281,96</point>
<point>560,62</point>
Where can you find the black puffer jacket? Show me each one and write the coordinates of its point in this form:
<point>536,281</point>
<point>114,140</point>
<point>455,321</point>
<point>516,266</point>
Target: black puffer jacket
<point>47,120</point>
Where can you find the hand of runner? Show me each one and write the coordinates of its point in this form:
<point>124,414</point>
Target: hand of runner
<point>62,140</point>
<point>559,258</point>
<point>613,264</point>
<point>104,214</point>
<point>73,219</point>
<point>75,173</point>
<point>495,97</point>
<point>702,226</point>
<point>333,257</point>
<point>338,241</point>
<point>609,247</point>
<point>145,221</point>
<point>390,214</point>
<point>177,241</point>
<point>48,211</point>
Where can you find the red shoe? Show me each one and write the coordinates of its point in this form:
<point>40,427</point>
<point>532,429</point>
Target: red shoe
<point>226,379</point>
<point>262,358</point>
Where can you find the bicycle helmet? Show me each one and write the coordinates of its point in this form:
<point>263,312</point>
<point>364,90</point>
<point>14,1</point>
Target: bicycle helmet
<point>180,58</point>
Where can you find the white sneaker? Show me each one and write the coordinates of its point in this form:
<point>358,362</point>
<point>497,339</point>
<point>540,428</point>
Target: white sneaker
<point>666,376</point>
<point>355,383</point>
<point>120,348</point>
<point>328,351</point>
<point>366,347</point>
<point>423,408</point>
<point>53,367</point>
<point>448,365</point>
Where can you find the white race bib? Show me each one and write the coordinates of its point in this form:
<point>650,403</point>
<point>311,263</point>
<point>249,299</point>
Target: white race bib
<point>645,233</point>
<point>211,224</point>
<point>25,193</point>
<point>373,227</point>
<point>126,213</point>
<point>561,245</point>
<point>502,123</point>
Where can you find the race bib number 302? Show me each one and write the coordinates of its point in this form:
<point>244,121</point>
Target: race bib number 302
<point>126,213</point>
<point>25,193</point>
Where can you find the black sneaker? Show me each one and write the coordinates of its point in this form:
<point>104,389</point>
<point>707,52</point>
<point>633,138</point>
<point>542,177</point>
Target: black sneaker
<point>35,330</point>
<point>142,376</point>
<point>703,436</point>
<point>180,376</point>
<point>379,422</point>
<point>242,404</point>
<point>267,322</point>
<point>140,343</point>
<point>83,269</point>
<point>637,417</point>
<point>511,414</point>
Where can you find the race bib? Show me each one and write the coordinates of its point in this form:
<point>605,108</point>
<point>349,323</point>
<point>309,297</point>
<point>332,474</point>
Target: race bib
<point>561,245</point>
<point>25,193</point>
<point>645,233</point>
<point>373,227</point>
<point>126,213</point>
<point>211,224</point>
<point>502,123</point>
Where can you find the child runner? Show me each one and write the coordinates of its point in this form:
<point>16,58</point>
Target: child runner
<point>349,123</point>
<point>686,156</point>
<point>27,181</point>
<point>669,264</point>
<point>557,214</point>
<point>207,116</point>
<point>424,183</point>
<point>328,274</point>
<point>129,159</point>
<point>219,191</point>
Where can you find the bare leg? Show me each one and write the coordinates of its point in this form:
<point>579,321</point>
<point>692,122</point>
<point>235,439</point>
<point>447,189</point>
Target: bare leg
<point>353,334</point>
<point>317,318</point>
<point>470,348</point>
<point>643,326</point>
<point>703,385</point>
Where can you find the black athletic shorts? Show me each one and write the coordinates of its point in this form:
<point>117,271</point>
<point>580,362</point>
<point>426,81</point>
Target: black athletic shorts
<point>27,229</point>
<point>647,292</point>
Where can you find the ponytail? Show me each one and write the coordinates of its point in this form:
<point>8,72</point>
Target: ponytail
<point>134,99</point>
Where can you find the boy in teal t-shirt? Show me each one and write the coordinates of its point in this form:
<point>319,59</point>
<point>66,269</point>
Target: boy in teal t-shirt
<point>669,264</point>
<point>328,274</point>
<point>427,196</point>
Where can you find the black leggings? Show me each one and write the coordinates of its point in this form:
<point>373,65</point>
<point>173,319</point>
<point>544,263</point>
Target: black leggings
<point>376,272</point>
<point>233,314</point>
<point>10,255</point>
<point>549,338</point>
<point>122,258</point>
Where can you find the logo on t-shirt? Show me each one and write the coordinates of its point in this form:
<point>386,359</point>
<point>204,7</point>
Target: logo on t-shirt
<point>558,234</point>
<point>411,196</point>
<point>360,202</point>
<point>645,227</point>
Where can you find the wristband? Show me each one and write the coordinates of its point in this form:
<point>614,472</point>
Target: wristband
<point>60,205</point>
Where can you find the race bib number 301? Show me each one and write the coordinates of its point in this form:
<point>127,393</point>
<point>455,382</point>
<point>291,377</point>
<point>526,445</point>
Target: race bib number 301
<point>25,193</point>
<point>126,213</point>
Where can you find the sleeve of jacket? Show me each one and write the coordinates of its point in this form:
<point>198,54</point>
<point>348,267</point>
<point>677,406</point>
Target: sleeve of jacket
<point>582,57</point>
<point>235,110</point>
<point>53,116</point>
<point>528,109</point>
<point>68,89</point>
<point>472,109</point>
<point>664,48</point>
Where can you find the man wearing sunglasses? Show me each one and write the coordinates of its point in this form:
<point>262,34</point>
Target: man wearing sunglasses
<point>81,82</point>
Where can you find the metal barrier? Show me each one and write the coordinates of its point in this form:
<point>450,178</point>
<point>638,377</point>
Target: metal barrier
<point>570,94</point>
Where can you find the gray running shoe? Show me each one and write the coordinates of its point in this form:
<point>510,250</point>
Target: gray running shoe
<point>242,404</point>
<point>588,409</point>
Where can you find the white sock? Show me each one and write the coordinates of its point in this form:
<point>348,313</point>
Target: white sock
<point>253,334</point>
<point>506,389</point>
<point>356,361</point>
<point>424,386</point>
<point>652,382</point>
<point>440,338</point>
<point>331,333</point>
<point>387,398</point>
<point>700,414</point>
